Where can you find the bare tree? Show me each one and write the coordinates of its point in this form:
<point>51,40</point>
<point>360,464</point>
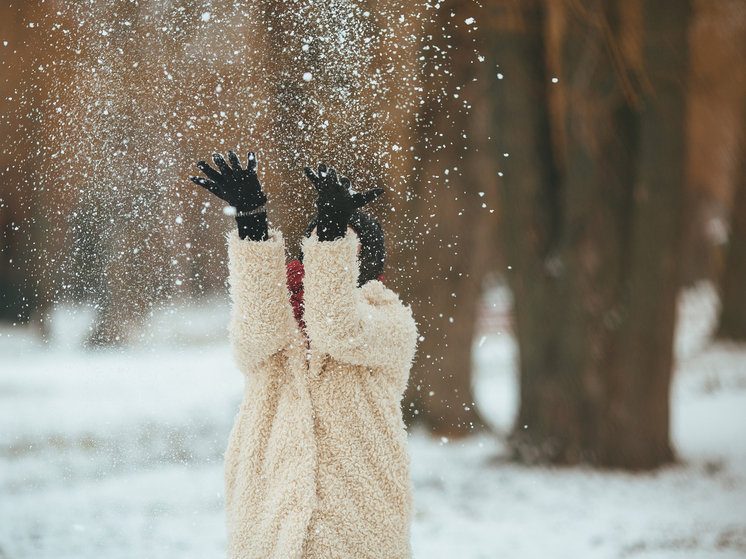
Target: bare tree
<point>454,201</point>
<point>19,128</point>
<point>717,86</point>
<point>590,125</point>
<point>733,284</point>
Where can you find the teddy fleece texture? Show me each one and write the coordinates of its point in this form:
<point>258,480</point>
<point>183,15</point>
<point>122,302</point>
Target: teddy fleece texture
<point>317,463</point>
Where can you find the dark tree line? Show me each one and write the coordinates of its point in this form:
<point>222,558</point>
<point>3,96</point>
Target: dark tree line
<point>550,138</point>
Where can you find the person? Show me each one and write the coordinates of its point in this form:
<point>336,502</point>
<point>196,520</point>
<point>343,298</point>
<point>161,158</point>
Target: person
<point>317,463</point>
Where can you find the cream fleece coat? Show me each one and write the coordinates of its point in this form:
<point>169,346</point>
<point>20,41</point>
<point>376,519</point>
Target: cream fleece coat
<point>317,463</point>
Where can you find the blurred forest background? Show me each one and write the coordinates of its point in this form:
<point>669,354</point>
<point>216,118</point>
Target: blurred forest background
<point>590,153</point>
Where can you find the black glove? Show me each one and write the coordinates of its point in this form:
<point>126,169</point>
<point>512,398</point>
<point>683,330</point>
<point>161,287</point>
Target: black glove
<point>241,189</point>
<point>336,203</point>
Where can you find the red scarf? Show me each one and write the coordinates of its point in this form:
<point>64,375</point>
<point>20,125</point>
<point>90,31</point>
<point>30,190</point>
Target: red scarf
<point>295,273</point>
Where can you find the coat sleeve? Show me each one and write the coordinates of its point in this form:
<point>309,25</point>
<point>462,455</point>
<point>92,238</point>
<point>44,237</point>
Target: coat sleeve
<point>366,326</point>
<point>262,320</point>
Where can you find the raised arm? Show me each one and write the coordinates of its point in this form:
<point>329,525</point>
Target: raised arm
<point>262,321</point>
<point>366,326</point>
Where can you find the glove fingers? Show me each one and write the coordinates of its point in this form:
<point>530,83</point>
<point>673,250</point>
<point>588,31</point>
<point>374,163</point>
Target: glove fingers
<point>346,183</point>
<point>251,163</point>
<point>322,170</point>
<point>312,177</point>
<point>211,173</point>
<point>332,176</point>
<point>206,184</point>
<point>222,165</point>
<point>235,163</point>
<point>363,198</point>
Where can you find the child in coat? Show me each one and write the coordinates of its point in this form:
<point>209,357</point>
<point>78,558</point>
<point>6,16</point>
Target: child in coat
<point>317,463</point>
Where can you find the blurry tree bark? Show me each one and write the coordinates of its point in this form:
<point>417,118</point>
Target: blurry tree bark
<point>19,108</point>
<point>733,284</point>
<point>717,86</point>
<point>29,256</point>
<point>454,200</point>
<point>593,193</point>
<point>531,215</point>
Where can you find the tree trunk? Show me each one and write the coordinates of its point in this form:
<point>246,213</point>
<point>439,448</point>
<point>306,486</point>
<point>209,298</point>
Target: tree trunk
<point>733,285</point>
<point>17,163</point>
<point>528,188</point>
<point>636,434</point>
<point>716,89</point>
<point>593,225</point>
<point>454,204</point>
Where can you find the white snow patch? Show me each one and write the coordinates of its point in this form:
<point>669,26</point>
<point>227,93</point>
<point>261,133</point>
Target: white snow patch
<point>119,453</point>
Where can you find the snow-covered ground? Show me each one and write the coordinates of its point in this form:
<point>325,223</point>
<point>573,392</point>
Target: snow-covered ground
<point>118,454</point>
